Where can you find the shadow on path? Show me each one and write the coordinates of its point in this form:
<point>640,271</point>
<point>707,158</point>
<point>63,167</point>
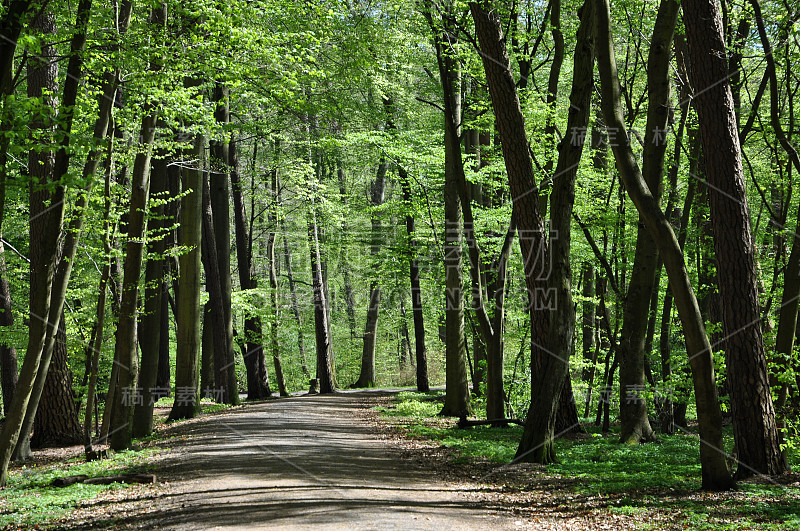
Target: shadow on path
<point>306,462</point>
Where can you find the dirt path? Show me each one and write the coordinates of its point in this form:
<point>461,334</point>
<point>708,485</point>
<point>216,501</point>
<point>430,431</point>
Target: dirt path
<point>310,462</point>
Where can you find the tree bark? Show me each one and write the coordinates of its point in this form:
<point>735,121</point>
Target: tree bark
<point>321,317</point>
<point>273,284</point>
<point>548,281</point>
<point>56,421</point>
<point>188,298</point>
<point>635,424</point>
<point>126,345</point>
<point>216,299</point>
<point>219,178</point>
<point>715,473</point>
<point>293,294</point>
<point>457,395</point>
<point>755,431</point>
<point>150,320</point>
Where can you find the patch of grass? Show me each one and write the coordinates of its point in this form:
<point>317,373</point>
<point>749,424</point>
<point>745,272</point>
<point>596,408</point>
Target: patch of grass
<point>30,501</point>
<point>634,480</point>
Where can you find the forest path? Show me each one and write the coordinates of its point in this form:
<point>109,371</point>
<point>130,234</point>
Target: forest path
<point>306,462</point>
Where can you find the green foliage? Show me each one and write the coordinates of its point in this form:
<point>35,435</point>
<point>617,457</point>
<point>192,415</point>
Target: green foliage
<point>628,480</point>
<point>30,501</point>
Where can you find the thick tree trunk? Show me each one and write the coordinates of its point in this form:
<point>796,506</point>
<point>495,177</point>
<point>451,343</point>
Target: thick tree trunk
<point>552,330</point>
<point>8,354</point>
<point>207,380</point>
<point>45,227</point>
<point>188,298</point>
<point>367,376</point>
<point>18,14</point>
<point>150,343</point>
<point>715,473</point>
<point>222,366</point>
<point>56,421</point>
<point>220,198</point>
<point>754,427</point>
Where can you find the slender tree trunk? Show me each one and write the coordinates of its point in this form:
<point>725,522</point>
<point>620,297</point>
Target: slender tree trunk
<point>126,345</point>
<point>321,326</point>
<point>150,343</point>
<point>420,352</point>
<point>635,425</point>
<point>293,293</point>
<point>715,473</point>
<point>755,430</point>
<point>273,285</point>
<point>457,395</point>
<point>367,376</point>
<point>349,299</point>
<point>257,380</point>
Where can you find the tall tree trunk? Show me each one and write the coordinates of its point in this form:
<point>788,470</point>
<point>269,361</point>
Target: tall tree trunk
<point>257,380</point>
<point>18,14</point>
<point>755,431</point>
<point>150,343</point>
<point>126,345</point>
<point>220,198</point>
<point>349,298</point>
<point>216,299</point>
<point>188,298</point>
<point>95,347</point>
<point>367,376</point>
<point>207,380</point>
<point>273,284</point>
<point>8,353</point>
<point>293,293</point>
<point>457,395</point>
<point>635,425</point>
<point>170,279</point>
<point>548,283</point>
<point>715,473</point>
<point>321,317</point>
<point>420,352</point>
<point>45,228</point>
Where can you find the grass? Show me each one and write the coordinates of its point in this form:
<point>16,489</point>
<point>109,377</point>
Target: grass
<point>30,501</point>
<point>631,480</point>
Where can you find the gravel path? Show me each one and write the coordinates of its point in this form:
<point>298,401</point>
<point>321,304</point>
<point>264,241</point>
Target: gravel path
<point>309,462</point>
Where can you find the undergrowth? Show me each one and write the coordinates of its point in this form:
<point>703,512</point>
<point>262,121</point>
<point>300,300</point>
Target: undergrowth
<point>663,476</point>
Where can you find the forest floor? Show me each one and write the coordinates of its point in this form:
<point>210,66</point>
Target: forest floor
<point>334,462</point>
